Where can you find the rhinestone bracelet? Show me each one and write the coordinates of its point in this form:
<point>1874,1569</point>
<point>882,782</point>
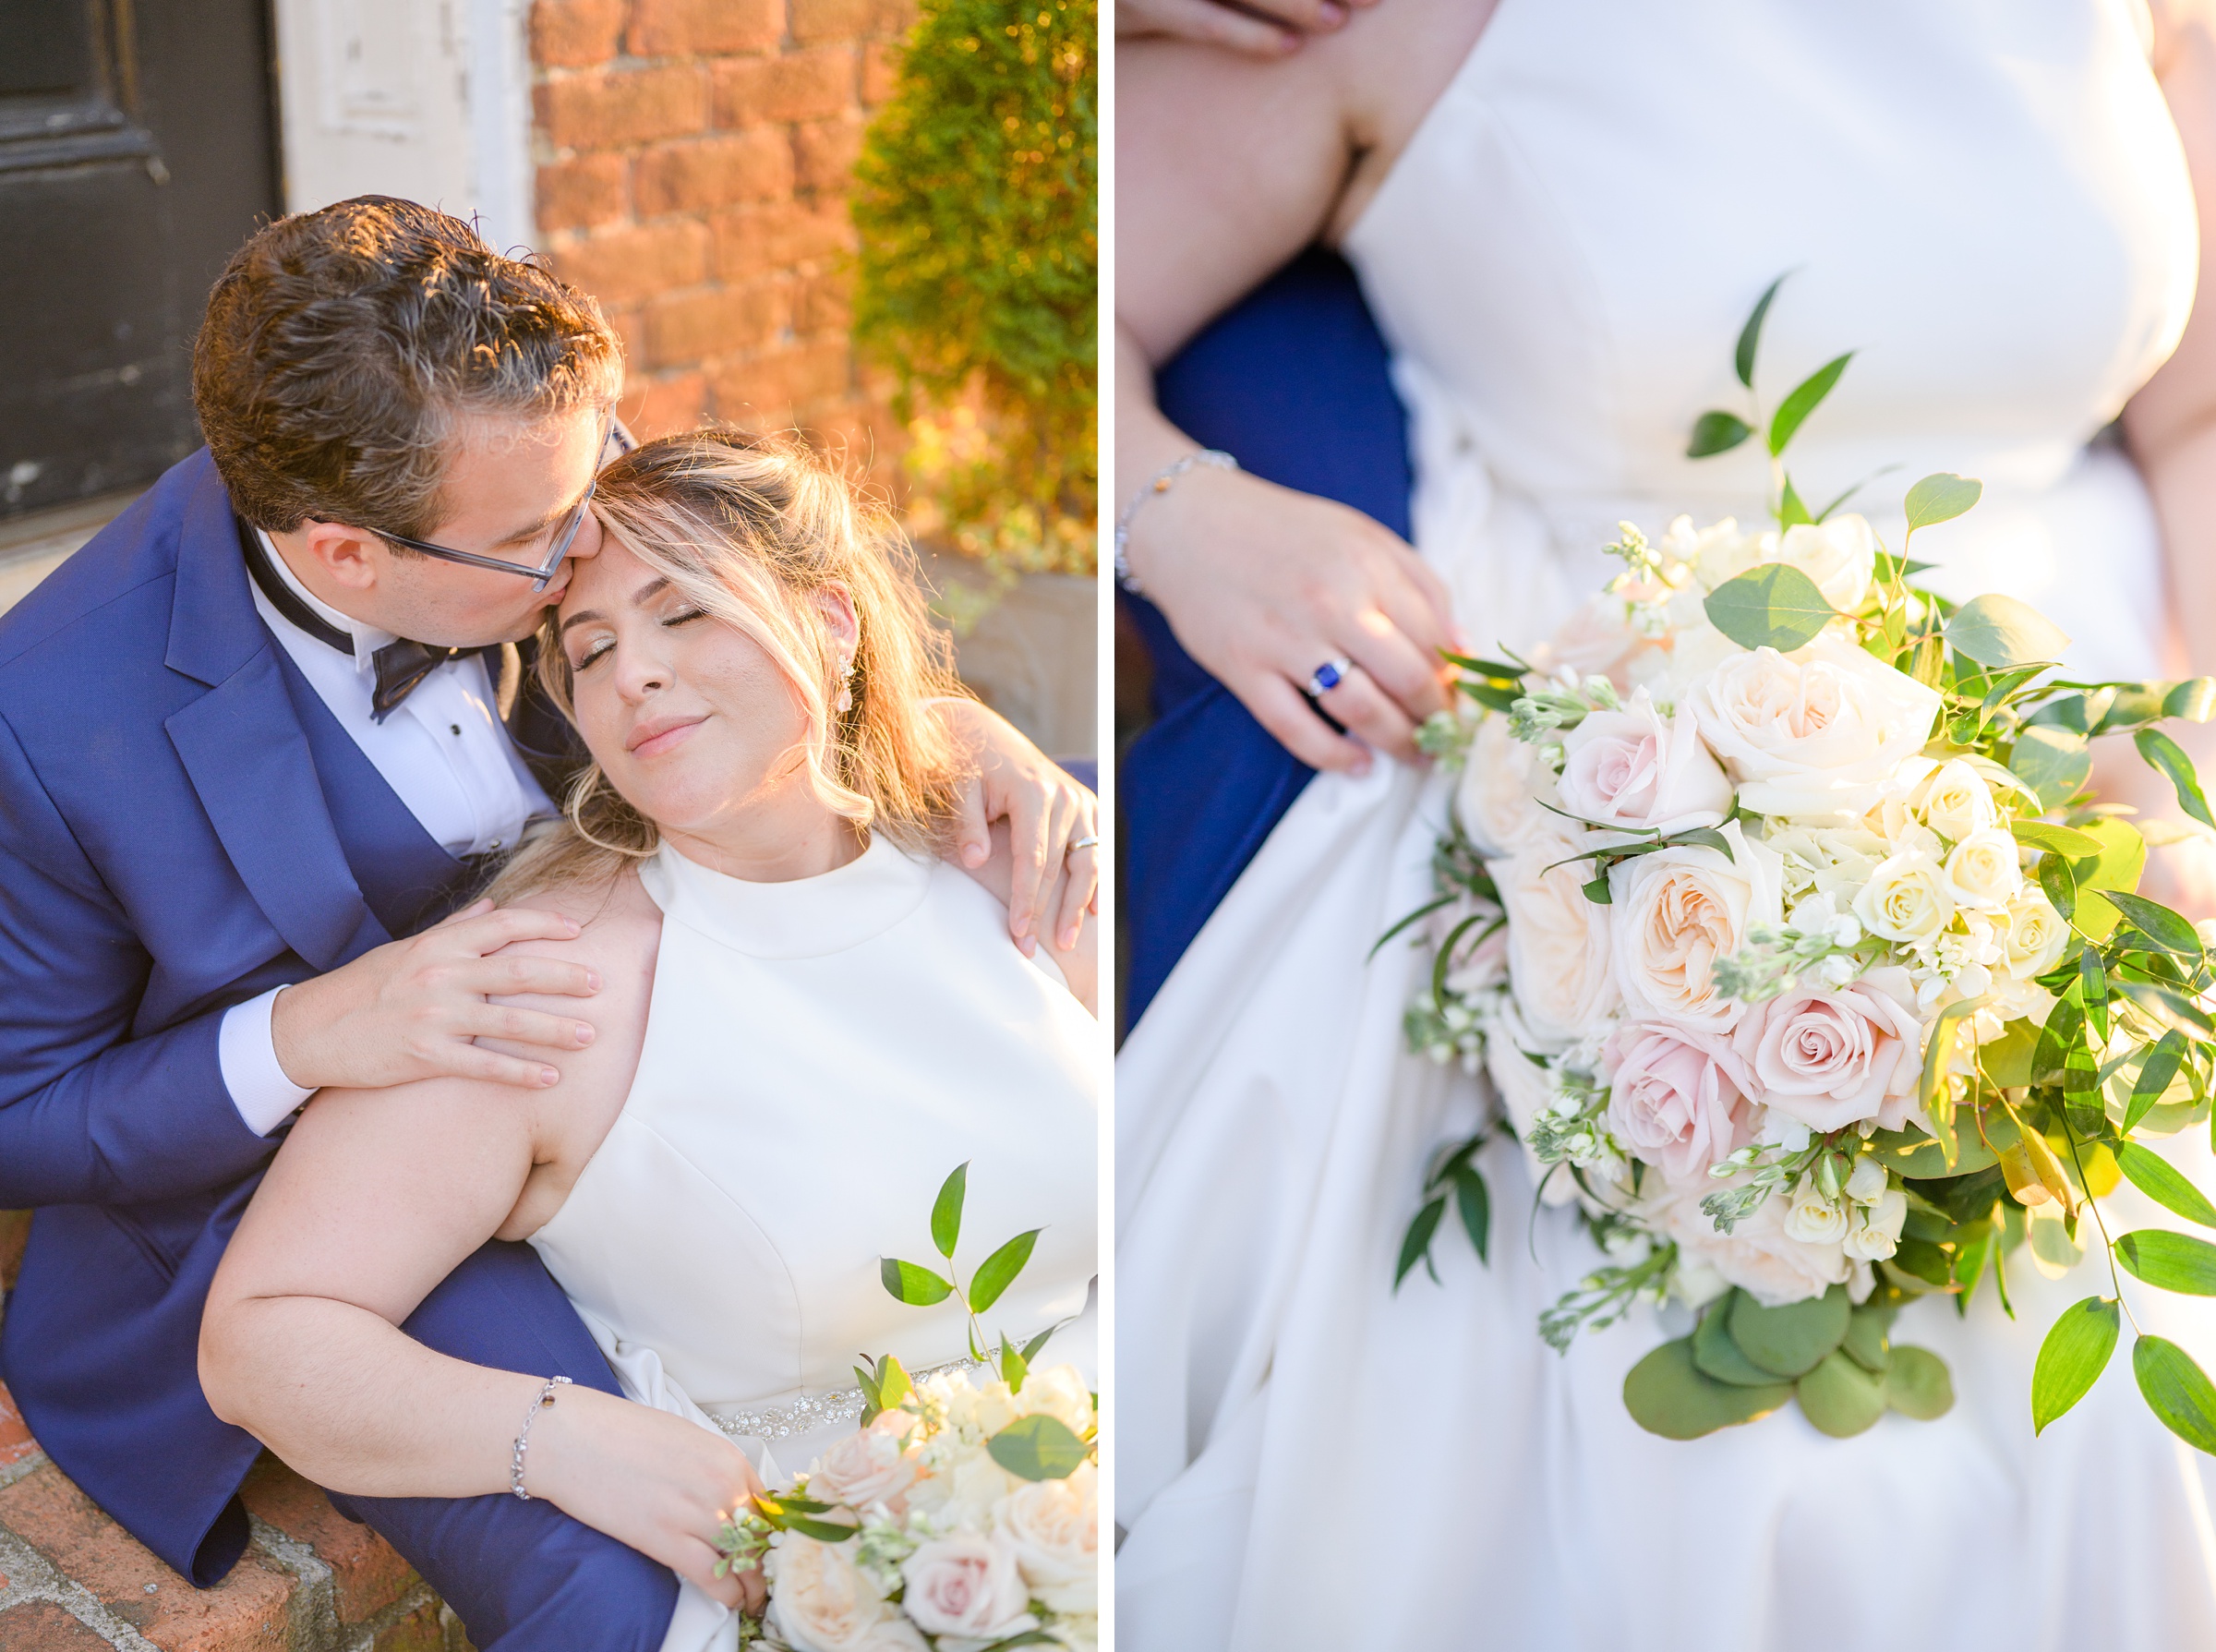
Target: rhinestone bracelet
<point>1160,482</point>
<point>523,1438</point>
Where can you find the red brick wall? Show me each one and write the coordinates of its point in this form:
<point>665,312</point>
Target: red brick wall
<point>693,162</point>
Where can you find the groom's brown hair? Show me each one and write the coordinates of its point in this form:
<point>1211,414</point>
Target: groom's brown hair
<point>339,345</point>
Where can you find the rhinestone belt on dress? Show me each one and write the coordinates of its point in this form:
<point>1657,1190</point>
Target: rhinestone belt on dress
<point>813,1411</point>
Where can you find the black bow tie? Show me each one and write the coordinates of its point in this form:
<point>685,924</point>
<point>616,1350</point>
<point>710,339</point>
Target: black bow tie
<point>401,664</point>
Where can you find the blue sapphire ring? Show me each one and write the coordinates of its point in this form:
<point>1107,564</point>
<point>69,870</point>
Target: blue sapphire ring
<point>1328,676</point>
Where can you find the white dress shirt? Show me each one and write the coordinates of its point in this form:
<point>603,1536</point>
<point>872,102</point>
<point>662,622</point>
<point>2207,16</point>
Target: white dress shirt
<point>445,753</point>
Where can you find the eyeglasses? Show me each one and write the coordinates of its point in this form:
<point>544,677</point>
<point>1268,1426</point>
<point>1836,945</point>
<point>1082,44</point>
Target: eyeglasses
<point>564,534</point>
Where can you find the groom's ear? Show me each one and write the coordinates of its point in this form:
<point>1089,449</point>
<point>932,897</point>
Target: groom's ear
<point>836,605</point>
<point>350,557</point>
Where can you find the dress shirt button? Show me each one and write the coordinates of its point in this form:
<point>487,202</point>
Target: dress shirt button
<point>457,728</point>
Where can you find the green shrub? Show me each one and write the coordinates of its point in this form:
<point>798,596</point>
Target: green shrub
<point>975,204</point>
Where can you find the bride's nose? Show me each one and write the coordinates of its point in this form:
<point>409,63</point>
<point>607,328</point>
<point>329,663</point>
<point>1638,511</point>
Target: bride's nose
<point>639,673</point>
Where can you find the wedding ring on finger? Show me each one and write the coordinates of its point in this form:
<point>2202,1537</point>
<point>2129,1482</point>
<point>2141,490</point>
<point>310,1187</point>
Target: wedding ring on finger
<point>1327,677</point>
<point>1090,841</point>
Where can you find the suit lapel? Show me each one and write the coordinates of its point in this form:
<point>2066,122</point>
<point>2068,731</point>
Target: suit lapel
<point>243,746</point>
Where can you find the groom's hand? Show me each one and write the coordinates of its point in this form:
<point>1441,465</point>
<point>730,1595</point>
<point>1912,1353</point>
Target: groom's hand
<point>1048,814</point>
<point>409,1009</point>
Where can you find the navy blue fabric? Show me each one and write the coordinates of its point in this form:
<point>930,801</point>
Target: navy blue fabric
<point>183,826</point>
<point>1294,383</point>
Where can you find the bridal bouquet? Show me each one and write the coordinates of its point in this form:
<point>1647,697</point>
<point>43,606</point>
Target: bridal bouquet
<point>1777,908</point>
<point>962,1517</point>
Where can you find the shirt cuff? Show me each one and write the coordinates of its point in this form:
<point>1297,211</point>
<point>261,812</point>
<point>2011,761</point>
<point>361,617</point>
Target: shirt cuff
<point>246,1051</point>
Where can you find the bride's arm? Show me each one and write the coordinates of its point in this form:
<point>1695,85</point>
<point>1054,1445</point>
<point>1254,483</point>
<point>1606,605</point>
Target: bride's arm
<point>2170,428</point>
<point>374,1199</point>
<point>1226,167</point>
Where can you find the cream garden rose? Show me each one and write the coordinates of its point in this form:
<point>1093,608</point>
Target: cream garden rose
<point>1907,898</point>
<point>1502,784</point>
<point>1758,1255</point>
<point>967,1586</point>
<point>1675,912</point>
<point>2036,936</point>
<point>1558,941</point>
<point>1955,801</point>
<point>866,1467</point>
<point>1984,871</point>
<point>1635,768</point>
<point>1816,734</point>
<point>821,1601</point>
<point>1053,1528</point>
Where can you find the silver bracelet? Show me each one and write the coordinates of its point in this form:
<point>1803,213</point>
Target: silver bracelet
<point>1160,482</point>
<point>523,1438</point>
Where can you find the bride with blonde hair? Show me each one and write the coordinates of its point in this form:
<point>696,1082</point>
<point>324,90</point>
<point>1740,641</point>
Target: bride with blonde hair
<point>808,1020</point>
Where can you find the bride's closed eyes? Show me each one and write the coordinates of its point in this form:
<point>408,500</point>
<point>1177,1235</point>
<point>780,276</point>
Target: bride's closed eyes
<point>599,646</point>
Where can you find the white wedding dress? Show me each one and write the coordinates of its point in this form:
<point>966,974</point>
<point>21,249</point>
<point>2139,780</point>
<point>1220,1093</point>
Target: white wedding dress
<point>1987,200</point>
<point>819,1055</point>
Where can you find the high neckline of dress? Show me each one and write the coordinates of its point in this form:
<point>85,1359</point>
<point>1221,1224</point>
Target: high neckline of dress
<point>807,917</point>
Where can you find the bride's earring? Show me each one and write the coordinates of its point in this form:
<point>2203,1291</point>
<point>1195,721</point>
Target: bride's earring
<point>846,692</point>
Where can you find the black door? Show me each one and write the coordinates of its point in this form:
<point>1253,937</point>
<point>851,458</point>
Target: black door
<point>136,152</point>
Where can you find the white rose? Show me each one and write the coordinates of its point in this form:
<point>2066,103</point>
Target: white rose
<point>1502,784</point>
<point>2036,936</point>
<point>864,1468</point>
<point>1985,871</point>
<point>1757,1255</point>
<point>1630,768</point>
<point>1876,1234</point>
<point>1059,1391</point>
<point>1715,553</point>
<point>1690,654</point>
<point>1812,1219</point>
<point>1907,898</point>
<point>1818,733</point>
<point>967,1586</point>
<point>1866,1183</point>
<point>1955,801</point>
<point>1676,911</point>
<point>1054,1528</point>
<point>1841,555</point>
<point>821,1601</point>
<point>1558,941</point>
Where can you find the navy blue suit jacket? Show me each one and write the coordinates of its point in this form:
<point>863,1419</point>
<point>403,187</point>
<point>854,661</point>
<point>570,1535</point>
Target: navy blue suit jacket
<point>183,825</point>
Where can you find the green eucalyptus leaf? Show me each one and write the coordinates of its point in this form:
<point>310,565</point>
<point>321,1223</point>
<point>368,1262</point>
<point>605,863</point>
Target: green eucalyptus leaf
<point>1774,606</point>
<point>2154,1078</point>
<point>2176,1390</point>
<point>1719,1356</point>
<point>946,1210</point>
<point>1038,1447</point>
<point>1030,1349</point>
<point>1840,1397</point>
<point>1750,337</point>
<point>914,1285</point>
<point>1995,630</point>
<point>2163,1181</point>
<point>1941,497</point>
<point>998,1271</point>
<point>1938,1052</point>
<point>2073,1356</point>
<point>1866,1340</point>
<point>1804,400</point>
<point>2059,884</point>
<point>2007,1060</point>
<point>2054,762</point>
<point>2056,839</point>
<point>1789,1340</point>
<point>1916,1157</point>
<point>2194,699</point>
<point>1014,1366</point>
<point>1668,1394</point>
<point>2170,1262</point>
<point>2165,928</point>
<point>1716,432</point>
<point>1791,512</point>
<point>822,1531</point>
<point>1917,1385</point>
<point>2167,755</point>
<point>2122,858</point>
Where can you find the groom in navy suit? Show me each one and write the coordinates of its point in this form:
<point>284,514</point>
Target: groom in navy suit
<point>256,739</point>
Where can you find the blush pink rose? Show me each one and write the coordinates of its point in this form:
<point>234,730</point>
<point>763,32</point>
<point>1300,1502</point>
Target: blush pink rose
<point>1676,1096</point>
<point>965,1586</point>
<point>867,1467</point>
<point>1631,768</point>
<point>1832,1056</point>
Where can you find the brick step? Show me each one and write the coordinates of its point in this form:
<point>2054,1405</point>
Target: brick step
<point>310,1581</point>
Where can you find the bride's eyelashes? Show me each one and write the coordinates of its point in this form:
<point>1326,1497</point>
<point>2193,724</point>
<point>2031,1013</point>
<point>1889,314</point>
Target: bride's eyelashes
<point>607,644</point>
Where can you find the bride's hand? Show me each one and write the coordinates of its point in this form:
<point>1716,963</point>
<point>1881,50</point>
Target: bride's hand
<point>660,1483</point>
<point>1263,585</point>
